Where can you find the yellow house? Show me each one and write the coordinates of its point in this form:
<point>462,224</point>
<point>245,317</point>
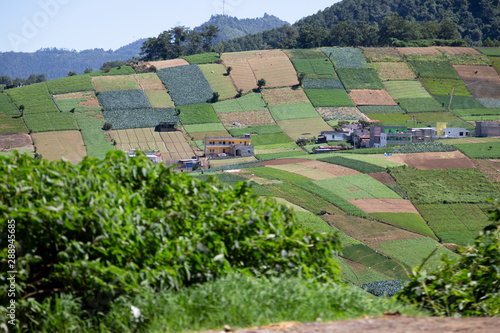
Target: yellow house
<point>228,146</point>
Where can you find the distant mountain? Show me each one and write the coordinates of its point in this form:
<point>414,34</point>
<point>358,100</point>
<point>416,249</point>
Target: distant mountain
<point>233,27</point>
<point>56,63</point>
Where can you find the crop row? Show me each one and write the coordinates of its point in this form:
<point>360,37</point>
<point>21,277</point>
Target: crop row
<point>137,118</point>
<point>124,100</point>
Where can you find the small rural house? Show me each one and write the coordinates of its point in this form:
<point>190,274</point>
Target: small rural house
<point>487,128</point>
<point>382,136</point>
<point>229,146</point>
<point>331,136</point>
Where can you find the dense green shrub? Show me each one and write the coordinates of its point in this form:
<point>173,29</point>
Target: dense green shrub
<point>385,288</point>
<point>105,228</point>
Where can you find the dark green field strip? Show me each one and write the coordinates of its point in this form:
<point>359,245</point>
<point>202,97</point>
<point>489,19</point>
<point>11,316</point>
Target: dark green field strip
<point>70,84</point>
<point>7,106</point>
<point>329,97</point>
<point>48,122</point>
<point>435,70</point>
<point>459,102</point>
<point>480,150</point>
<point>359,78</point>
<point>35,98</point>
<point>463,238</point>
<point>408,221</point>
<point>197,114</point>
<point>360,166</point>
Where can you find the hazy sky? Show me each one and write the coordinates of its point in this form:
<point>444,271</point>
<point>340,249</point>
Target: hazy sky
<point>29,25</point>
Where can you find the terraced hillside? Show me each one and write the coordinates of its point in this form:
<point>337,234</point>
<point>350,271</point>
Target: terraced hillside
<point>390,212</point>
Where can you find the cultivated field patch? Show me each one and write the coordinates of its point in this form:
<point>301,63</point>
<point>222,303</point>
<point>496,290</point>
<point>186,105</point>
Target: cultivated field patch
<point>322,84</point>
<point>199,137</point>
<point>490,51</point>
<point>458,50</point>
<point>385,206</point>
<point>358,187</point>
<point>55,145</point>
<point>316,170</point>
<point>7,106</point>
<point>137,118</point>
<point>308,127</point>
<point>441,160</point>
<point>70,84</point>
<point>169,63</point>
<point>490,103</point>
<point>304,54</point>
<point>489,168</point>
<point>406,89</point>
<point>79,101</point>
<point>459,102</point>
<point>12,124</point>
<point>303,170</point>
<point>315,68</point>
<point>444,87</point>
<point>435,70</point>
<point>35,98</point>
<point>394,71</point>
<point>216,75</point>
<point>411,221</point>
<point>47,122</point>
<point>123,100</point>
<point>425,119</point>
<point>121,70</point>
<point>249,102</point>
<point>270,139</point>
<point>473,115</point>
<point>149,81</point>
<point>328,97</point>
<point>260,129</point>
<point>187,84</point>
<point>428,104</point>
<point>245,119</point>
<point>359,78</point>
<point>482,81</point>
<point>381,54</point>
<point>340,113</point>
<point>419,50</point>
<point>367,109</point>
<point>159,99</point>
<point>95,140</point>
<point>115,82</point>
<point>293,111</point>
<point>371,97</point>
<point>286,95</point>
<point>197,114</point>
<point>391,118</point>
<point>202,58</point>
<point>484,150</point>
<point>15,141</point>
<point>360,166</point>
<point>346,57</point>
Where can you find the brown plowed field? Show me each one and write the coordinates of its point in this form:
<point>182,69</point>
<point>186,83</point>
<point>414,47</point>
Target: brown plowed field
<point>395,71</point>
<point>490,168</point>
<point>169,63</point>
<point>89,96</point>
<point>371,97</point>
<point>482,81</point>
<point>149,81</point>
<point>383,177</point>
<point>15,141</point>
<point>54,145</point>
<point>439,160</point>
<point>285,95</point>
<point>247,118</point>
<point>458,50</point>
<point>384,205</point>
<point>419,50</point>
<point>316,170</point>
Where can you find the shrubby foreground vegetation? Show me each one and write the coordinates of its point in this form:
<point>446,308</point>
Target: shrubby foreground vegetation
<point>97,237</point>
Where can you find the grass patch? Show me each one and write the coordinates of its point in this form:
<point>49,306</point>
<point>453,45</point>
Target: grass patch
<point>496,62</point>
<point>7,106</point>
<point>357,187</point>
<point>480,150</point>
<point>159,99</point>
<point>408,221</point>
<point>477,114</point>
<point>201,113</point>
<point>328,97</point>
<point>303,127</point>
<point>117,82</point>
<point>462,238</point>
<point>444,185</point>
<point>35,98</point>
<point>420,104</point>
<point>249,102</point>
<point>293,111</point>
<point>203,58</point>
<point>47,122</point>
<point>304,54</point>
<point>218,80</point>
<point>490,51</point>
<point>93,136</point>
<point>435,70</point>
<point>359,78</point>
<point>406,89</point>
<point>139,118</point>
<point>121,70</point>
<point>310,221</point>
<point>369,109</point>
<point>123,100</point>
<point>391,118</point>
<point>357,165</point>
<point>459,102</point>
<point>444,87</point>
<point>269,139</point>
<point>322,84</point>
<point>315,68</point>
<point>277,155</point>
<point>11,124</point>
<point>258,129</point>
<point>70,84</point>
<point>205,127</point>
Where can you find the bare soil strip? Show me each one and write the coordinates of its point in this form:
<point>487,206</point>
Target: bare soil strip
<point>384,205</point>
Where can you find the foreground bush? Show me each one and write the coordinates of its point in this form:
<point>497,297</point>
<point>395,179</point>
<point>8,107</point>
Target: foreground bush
<point>104,229</point>
<point>468,286</point>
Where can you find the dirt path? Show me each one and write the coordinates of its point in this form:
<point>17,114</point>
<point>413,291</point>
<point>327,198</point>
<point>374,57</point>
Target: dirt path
<point>385,324</point>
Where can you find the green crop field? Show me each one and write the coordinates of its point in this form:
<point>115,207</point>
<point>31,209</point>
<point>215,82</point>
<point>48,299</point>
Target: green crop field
<point>159,99</point>
<point>477,114</point>
<point>480,150</point>
<point>346,57</point>
<point>78,102</point>
<point>413,251</point>
<point>391,118</point>
<point>444,87</point>
<point>7,106</point>
<point>491,103</point>
<point>459,102</point>
<point>269,139</point>
<point>420,104</point>
<point>293,111</point>
<point>311,221</point>
<point>406,89</point>
<point>315,68</point>
<point>357,187</point>
<point>496,62</point>
<point>285,154</point>
<point>360,155</point>
<point>322,84</point>
<point>187,84</point>
<point>359,78</point>
<point>469,59</point>
<point>340,113</point>
<point>304,127</point>
<point>197,114</point>
<point>47,122</point>
<point>116,82</point>
<point>93,136</point>
<point>139,118</point>
<point>357,165</point>
<point>381,54</point>
<point>258,129</point>
<point>218,80</point>
<point>328,97</point>
<point>248,102</point>
<point>70,84</point>
<point>205,127</point>
<point>394,71</point>
<point>12,124</point>
<point>368,109</point>
<point>123,100</point>
<point>35,98</point>
<point>434,70</point>
<point>122,70</point>
<point>304,54</point>
<point>445,186</point>
<point>203,58</point>
<point>409,221</point>
<point>490,51</point>
<point>426,119</point>
<point>463,237</point>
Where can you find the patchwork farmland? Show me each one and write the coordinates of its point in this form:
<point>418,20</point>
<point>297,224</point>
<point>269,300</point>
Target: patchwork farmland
<point>390,211</point>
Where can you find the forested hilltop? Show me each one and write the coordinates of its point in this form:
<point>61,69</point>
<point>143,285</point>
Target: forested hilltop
<point>382,22</point>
